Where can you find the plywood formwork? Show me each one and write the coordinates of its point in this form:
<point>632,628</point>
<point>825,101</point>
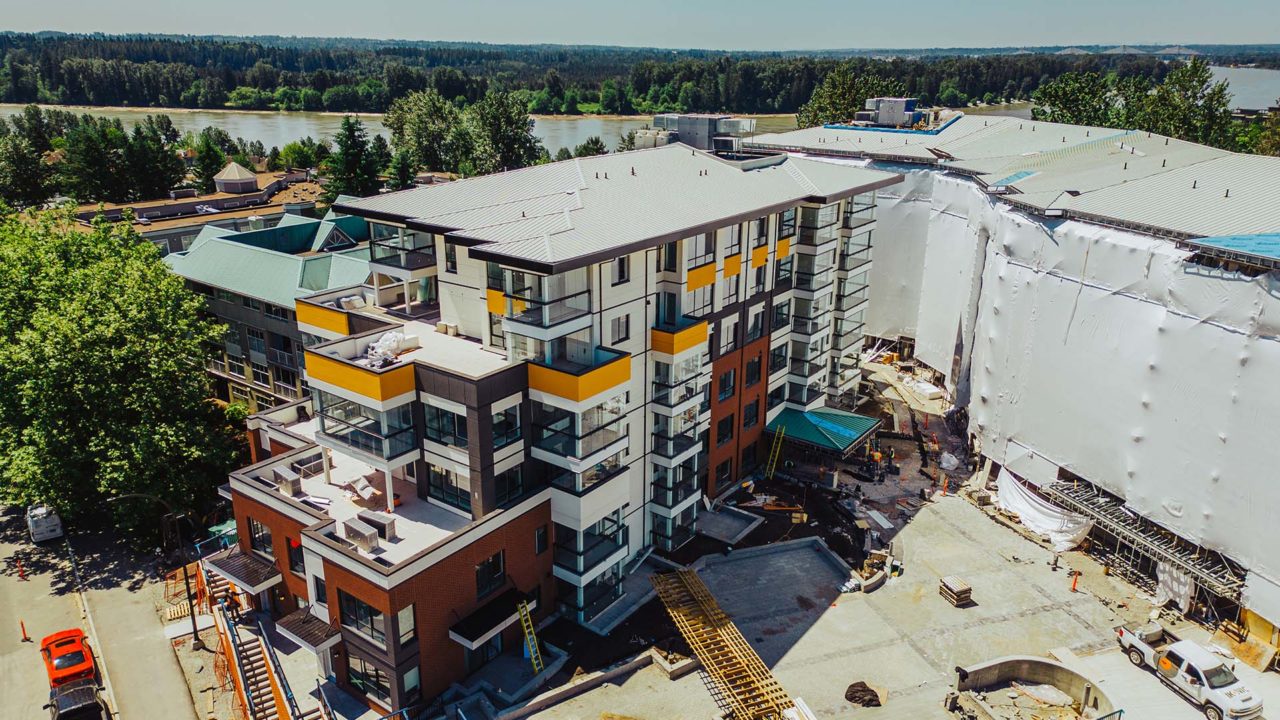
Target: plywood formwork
<point>741,683</point>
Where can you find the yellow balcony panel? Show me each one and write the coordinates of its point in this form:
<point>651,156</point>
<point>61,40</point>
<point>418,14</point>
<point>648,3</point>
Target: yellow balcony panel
<point>674,341</point>
<point>784,248</point>
<point>759,256</point>
<point>610,369</point>
<point>496,301</point>
<point>733,265</point>
<point>325,318</point>
<point>378,385</point>
<point>701,276</point>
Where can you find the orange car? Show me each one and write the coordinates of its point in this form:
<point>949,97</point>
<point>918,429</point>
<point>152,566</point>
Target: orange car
<point>67,657</point>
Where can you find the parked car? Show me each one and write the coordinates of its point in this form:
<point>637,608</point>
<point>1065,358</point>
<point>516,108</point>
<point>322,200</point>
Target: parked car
<point>1192,670</point>
<point>43,523</point>
<point>77,700</point>
<point>68,657</point>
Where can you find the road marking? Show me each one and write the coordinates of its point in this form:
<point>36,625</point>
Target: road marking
<point>93,630</point>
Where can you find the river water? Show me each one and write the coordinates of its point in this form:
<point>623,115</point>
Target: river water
<point>1253,88</point>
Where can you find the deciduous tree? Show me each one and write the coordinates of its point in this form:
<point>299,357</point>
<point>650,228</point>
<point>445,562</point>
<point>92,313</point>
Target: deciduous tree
<point>844,92</point>
<point>24,176</point>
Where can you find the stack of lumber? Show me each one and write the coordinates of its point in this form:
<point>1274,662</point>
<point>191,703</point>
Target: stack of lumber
<point>956,591</point>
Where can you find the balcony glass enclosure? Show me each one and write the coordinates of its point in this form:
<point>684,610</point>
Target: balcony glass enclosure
<point>814,272</point>
<point>819,226</point>
<point>546,300</point>
<point>675,384</point>
<point>578,435</point>
<point>402,248</point>
<point>386,434</point>
<point>582,552</point>
<point>672,486</point>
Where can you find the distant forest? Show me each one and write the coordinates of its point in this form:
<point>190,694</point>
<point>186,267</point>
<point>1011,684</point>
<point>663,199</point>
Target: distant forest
<point>352,75</point>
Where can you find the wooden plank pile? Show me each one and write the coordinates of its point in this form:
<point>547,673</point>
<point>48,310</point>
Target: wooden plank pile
<point>956,591</point>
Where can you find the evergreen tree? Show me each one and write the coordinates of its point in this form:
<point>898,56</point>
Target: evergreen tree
<point>591,146</point>
<point>627,142</point>
<point>843,93</point>
<point>401,170</point>
<point>210,160</point>
<point>564,153</point>
<point>152,164</point>
<point>352,168</point>
<point>381,152</point>
<point>24,176</point>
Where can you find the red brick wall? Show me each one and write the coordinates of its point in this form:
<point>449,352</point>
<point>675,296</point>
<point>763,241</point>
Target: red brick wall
<point>282,530</point>
<point>446,592</point>
<point>732,450</point>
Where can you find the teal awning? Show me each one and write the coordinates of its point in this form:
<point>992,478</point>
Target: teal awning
<point>826,428</point>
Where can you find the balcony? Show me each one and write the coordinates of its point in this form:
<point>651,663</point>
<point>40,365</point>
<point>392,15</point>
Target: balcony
<point>854,258</point>
<point>328,365</point>
<point>811,326</point>
<point>283,358</point>
<point>411,252</point>
<point>858,216</point>
<point>558,442</point>
<point>547,313</point>
<point>806,369</point>
<point>817,237</point>
<point>584,482</point>
<point>851,300</point>
<point>285,390</point>
<point>578,381</point>
<point>684,334</point>
<point>669,497</point>
<point>596,550</point>
<point>669,445</point>
<point>672,395</point>
<point>814,281</point>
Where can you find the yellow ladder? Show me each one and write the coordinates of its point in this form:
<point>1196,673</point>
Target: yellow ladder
<point>775,452</point>
<point>530,638</point>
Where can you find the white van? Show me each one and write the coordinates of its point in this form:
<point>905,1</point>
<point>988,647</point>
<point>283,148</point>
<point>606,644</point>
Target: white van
<point>43,523</point>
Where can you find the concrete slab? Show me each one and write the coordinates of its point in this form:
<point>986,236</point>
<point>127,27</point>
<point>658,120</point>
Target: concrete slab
<point>728,524</point>
<point>182,628</point>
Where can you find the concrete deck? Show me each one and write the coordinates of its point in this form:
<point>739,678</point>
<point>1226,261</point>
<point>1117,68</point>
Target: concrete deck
<point>636,591</point>
<point>903,637</point>
<point>728,524</point>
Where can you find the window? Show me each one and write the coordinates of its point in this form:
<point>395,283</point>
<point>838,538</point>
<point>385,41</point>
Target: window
<point>235,365</point>
<point>446,427</point>
<point>540,540</point>
<point>621,327</point>
<point>757,284</point>
<point>365,619</point>
<point>760,232</point>
<point>506,427</point>
<point>724,430</point>
<point>252,303</point>
<point>728,334</point>
<point>450,258</point>
<point>295,556</point>
<point>751,375</point>
<point>276,312</point>
<point>492,275</point>
<point>497,337</point>
<point>777,396</point>
<point>405,624</point>
<point>412,685</point>
<point>622,270</point>
<point>751,414</point>
<point>702,249</point>
<point>778,359</point>
<point>699,301</point>
<point>735,241</point>
<point>260,538</point>
<point>320,593</point>
<point>490,575</point>
<point>723,472</point>
<point>368,679</point>
<point>727,384</point>
<point>261,374</point>
<point>509,486</point>
<point>782,315</point>
<point>786,223</point>
<point>783,274</point>
<point>731,290</point>
<point>448,488</point>
<point>750,458</point>
<point>669,261</point>
<point>257,340</point>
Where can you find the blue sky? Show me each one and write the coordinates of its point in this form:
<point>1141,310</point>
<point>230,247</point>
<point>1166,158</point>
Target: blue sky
<point>717,24</point>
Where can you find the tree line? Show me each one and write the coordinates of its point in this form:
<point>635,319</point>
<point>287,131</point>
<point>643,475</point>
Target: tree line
<point>356,76</point>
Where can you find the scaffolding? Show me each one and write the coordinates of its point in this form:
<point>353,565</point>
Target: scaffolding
<point>739,681</point>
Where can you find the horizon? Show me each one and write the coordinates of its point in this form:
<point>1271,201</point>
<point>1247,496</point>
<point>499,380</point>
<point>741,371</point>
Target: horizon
<point>712,25</point>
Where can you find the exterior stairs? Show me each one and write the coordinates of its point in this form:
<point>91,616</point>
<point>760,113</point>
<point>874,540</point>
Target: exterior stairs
<point>257,674</point>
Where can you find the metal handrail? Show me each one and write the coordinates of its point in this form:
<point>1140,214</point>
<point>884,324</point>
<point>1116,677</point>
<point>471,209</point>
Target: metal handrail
<point>270,651</point>
<point>325,708</point>
<point>1113,714</point>
<point>235,651</point>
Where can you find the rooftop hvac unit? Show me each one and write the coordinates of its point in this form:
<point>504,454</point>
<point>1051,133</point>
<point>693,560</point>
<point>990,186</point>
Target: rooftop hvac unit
<point>361,535</point>
<point>383,523</point>
<point>288,481</point>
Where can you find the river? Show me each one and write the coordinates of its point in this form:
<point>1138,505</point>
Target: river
<point>1252,87</point>
<point>278,128</point>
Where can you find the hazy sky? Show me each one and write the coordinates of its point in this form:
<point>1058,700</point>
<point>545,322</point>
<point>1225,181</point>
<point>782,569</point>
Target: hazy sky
<point>718,24</point>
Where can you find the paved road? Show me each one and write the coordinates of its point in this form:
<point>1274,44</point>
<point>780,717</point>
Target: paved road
<point>145,680</point>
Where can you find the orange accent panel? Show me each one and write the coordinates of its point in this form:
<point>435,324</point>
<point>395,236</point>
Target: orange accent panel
<point>701,276</point>
<point>733,265</point>
<point>579,387</point>
<point>759,256</point>
<point>361,381</point>
<point>331,319</point>
<point>496,302</point>
<point>674,343</point>
<point>784,248</point>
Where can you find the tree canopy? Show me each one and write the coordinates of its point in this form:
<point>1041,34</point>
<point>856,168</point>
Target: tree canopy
<point>842,93</point>
<point>490,135</point>
<point>353,167</point>
<point>102,360</point>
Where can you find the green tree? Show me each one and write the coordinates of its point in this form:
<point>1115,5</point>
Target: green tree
<point>101,358</point>
<point>94,166</point>
<point>627,141</point>
<point>424,123</point>
<point>563,153</point>
<point>614,99</point>
<point>591,146</point>
<point>1074,98</point>
<point>402,170</point>
<point>297,154</point>
<point>152,162</point>
<point>1189,105</point>
<point>24,176</point>
<point>381,152</point>
<point>503,133</point>
<point>352,168</point>
<point>250,98</point>
<point>844,92</point>
<point>1268,140</point>
<point>210,159</point>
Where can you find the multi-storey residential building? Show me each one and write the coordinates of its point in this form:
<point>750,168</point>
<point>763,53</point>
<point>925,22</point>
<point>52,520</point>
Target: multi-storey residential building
<point>250,279</point>
<point>524,397</point>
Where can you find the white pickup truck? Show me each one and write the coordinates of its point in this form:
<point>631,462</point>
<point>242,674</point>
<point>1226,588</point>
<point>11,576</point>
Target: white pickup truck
<point>1199,674</point>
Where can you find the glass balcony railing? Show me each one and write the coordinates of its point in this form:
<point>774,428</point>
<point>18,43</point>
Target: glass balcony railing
<point>596,549</point>
<point>854,259</point>
<point>848,339</point>
<point>669,444</point>
<point>669,497</point>
<point>806,369</point>
<point>851,300</point>
<point>859,215</point>
<point>595,476</point>
<point>413,252</point>
<point>384,446</point>
<point>814,281</point>
<point>284,358</point>
<point>672,395</point>
<point>561,443</point>
<point>814,237</point>
<point>547,314</point>
<point>811,326</point>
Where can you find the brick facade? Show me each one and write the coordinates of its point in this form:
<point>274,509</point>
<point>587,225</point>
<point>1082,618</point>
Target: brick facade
<point>732,451</point>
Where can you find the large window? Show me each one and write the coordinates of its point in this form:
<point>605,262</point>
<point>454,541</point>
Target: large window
<point>296,563</point>
<point>751,375</point>
<point>261,374</point>
<point>497,336</point>
<point>448,487</point>
<point>260,538</point>
<point>362,617</point>
<point>735,241</point>
<point>276,312</point>
<point>235,365</point>
<point>385,434</point>
<point>621,270</point>
<point>778,359</point>
<point>621,329</point>
<point>786,223</point>
<point>368,679</point>
<point>506,427</point>
<point>509,486</point>
<point>257,340</point>
<point>760,232</point>
<point>490,575</point>
<point>702,249</point>
<point>446,427</point>
<point>751,414</point>
<point>727,384</point>
<point>493,276</point>
<point>405,625</point>
<point>724,430</point>
<point>450,258</point>
<point>724,471</point>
